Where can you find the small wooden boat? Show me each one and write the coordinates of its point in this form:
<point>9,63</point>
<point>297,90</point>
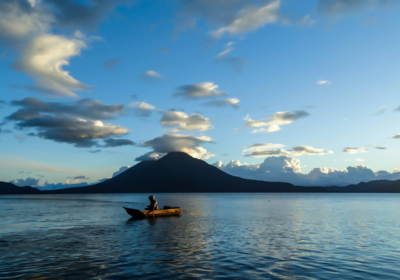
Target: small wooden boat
<point>139,214</point>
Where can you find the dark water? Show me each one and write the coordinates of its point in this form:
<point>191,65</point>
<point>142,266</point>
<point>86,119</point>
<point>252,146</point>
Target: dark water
<point>233,236</point>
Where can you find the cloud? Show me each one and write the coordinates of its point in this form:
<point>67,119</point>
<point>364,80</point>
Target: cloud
<point>262,146</point>
<point>183,121</point>
<point>266,150</point>
<point>353,150</point>
<point>19,19</point>
<point>250,18</point>
<point>142,109</point>
<point>342,7</point>
<point>64,129</point>
<point>149,156</point>
<point>232,102</point>
<point>32,182</point>
<point>78,123</point>
<point>234,17</point>
<point>19,137</point>
<point>360,159</point>
<point>24,172</point>
<point>84,14</point>
<point>111,143</point>
<point>307,150</point>
<point>122,169</point>
<point>397,136</point>
<point>58,186</point>
<point>288,169</point>
<point>152,75</point>
<point>43,59</point>
<point>381,110</point>
<point>26,28</point>
<point>274,121</point>
<point>80,177</point>
<point>111,64</point>
<point>95,151</point>
<point>200,90</point>
<point>5,130</point>
<point>180,143</point>
<point>134,96</point>
<point>229,44</point>
<point>84,108</point>
<point>380,147</point>
<point>76,179</point>
<point>224,53</point>
<point>237,63</point>
<point>323,82</point>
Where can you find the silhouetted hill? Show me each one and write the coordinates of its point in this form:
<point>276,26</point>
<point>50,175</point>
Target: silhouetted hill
<point>378,186</point>
<point>9,188</point>
<point>179,172</point>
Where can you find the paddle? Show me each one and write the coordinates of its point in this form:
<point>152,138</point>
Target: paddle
<point>151,211</point>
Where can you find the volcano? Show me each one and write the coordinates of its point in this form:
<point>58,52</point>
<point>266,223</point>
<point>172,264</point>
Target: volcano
<point>178,172</point>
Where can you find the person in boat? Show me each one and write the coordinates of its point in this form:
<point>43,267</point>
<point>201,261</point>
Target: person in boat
<point>153,203</point>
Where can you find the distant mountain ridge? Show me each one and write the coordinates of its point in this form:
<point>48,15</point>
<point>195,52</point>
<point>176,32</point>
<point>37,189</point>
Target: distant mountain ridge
<point>9,188</point>
<point>179,172</point>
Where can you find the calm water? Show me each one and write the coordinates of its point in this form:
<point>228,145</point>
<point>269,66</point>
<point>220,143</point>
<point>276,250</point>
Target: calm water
<point>234,236</point>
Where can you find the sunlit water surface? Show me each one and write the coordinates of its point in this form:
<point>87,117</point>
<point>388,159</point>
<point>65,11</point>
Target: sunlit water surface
<point>234,236</point>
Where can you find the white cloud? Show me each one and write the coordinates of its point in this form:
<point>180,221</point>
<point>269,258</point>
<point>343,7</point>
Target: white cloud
<point>323,82</point>
<point>229,44</point>
<point>250,18</point>
<point>307,150</point>
<point>224,53</point>
<point>262,146</point>
<point>75,180</point>
<point>142,109</point>
<point>288,169</point>
<point>274,121</point>
<point>180,143</point>
<point>360,159</point>
<point>43,59</point>
<point>150,156</point>
<point>16,23</point>
<point>266,150</point>
<point>397,136</point>
<point>182,121</point>
<point>25,27</point>
<point>122,169</point>
<point>200,90</point>
<point>153,75</point>
<point>232,102</point>
<point>353,150</point>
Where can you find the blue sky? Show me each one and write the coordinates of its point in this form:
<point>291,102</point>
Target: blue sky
<point>329,67</point>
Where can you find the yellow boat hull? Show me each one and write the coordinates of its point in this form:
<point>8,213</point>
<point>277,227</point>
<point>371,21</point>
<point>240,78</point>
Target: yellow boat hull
<point>141,214</point>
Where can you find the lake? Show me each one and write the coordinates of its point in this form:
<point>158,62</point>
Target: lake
<point>232,236</point>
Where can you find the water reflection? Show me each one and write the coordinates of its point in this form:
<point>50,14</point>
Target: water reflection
<point>243,236</point>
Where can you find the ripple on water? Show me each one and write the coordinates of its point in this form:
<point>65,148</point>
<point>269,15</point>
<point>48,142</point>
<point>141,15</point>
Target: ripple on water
<point>235,236</point>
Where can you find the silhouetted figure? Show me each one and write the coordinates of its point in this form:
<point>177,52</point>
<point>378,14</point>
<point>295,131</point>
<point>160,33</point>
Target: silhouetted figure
<point>153,203</point>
